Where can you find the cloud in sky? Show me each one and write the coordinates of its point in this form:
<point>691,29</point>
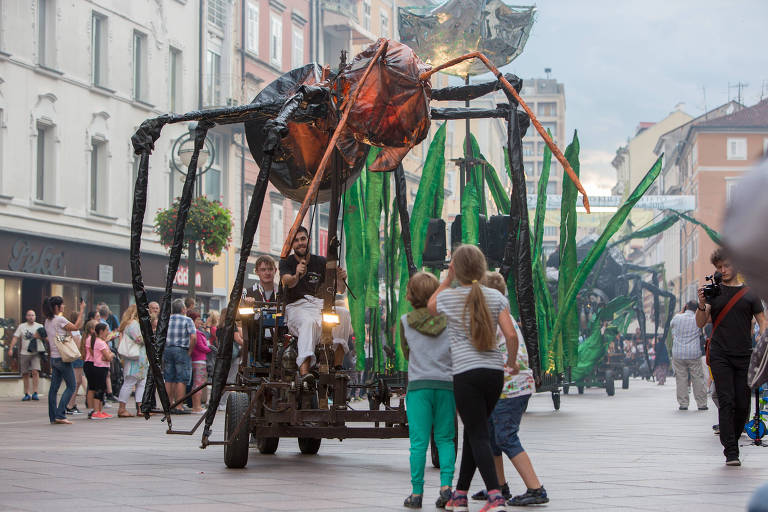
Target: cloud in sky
<point>631,61</point>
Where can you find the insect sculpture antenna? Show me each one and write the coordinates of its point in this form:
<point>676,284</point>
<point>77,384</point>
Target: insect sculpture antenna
<point>511,90</point>
<point>318,177</point>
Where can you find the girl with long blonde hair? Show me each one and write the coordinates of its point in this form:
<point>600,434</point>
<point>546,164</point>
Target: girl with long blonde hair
<point>473,312</point>
<point>134,370</point>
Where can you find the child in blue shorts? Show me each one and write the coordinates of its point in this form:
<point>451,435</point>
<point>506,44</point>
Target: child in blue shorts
<point>504,423</point>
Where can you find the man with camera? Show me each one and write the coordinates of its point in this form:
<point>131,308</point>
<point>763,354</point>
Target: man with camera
<point>730,306</point>
<point>302,275</point>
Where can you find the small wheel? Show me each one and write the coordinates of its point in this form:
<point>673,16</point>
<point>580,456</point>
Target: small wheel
<point>236,452</point>
<point>625,382</point>
<point>581,390</point>
<point>556,400</point>
<point>308,445</point>
<point>566,388</point>
<point>610,387</point>
<point>267,445</point>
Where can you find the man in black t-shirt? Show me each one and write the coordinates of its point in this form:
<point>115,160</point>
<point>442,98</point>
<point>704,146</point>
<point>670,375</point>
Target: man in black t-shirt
<point>729,352</point>
<point>302,275</point>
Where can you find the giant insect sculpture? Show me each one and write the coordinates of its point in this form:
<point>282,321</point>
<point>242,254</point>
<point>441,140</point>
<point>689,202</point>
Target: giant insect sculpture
<point>313,128</point>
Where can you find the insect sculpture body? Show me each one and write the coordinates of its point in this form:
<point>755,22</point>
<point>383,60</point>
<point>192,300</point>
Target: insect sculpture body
<point>310,132</point>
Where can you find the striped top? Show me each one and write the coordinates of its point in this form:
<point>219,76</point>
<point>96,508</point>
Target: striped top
<point>685,336</point>
<point>464,355</point>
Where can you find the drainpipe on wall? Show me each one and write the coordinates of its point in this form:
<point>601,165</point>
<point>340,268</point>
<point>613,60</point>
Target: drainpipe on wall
<point>200,62</point>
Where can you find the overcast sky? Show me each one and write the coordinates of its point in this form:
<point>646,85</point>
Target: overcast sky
<point>623,62</point>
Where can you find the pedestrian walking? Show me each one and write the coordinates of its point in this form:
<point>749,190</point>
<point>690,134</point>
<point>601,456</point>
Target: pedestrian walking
<point>57,325</point>
<point>429,399</point>
<point>98,353</point>
<point>473,312</point>
<point>134,370</point>
<point>198,356</point>
<point>29,361</point>
<point>660,361</point>
<point>686,358</point>
<point>730,349</point>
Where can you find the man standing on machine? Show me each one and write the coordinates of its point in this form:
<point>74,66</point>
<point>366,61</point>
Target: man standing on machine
<point>730,306</point>
<point>302,274</point>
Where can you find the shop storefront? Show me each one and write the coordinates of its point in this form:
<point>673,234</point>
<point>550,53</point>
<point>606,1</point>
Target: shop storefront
<point>33,267</point>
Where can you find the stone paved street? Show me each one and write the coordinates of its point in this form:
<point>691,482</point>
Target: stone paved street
<point>633,451</point>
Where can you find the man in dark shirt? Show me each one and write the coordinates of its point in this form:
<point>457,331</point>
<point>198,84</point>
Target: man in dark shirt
<point>302,275</point>
<point>729,352</point>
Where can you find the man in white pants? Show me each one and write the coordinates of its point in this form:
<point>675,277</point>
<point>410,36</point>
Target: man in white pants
<point>686,358</point>
<point>302,275</point>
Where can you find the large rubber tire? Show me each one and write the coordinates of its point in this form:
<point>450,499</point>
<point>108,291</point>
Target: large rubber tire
<point>236,452</point>
<point>556,400</point>
<point>267,445</point>
<point>610,386</point>
<point>309,445</point>
<point>625,378</point>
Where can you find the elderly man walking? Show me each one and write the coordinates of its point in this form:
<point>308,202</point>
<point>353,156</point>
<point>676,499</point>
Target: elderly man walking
<point>686,358</point>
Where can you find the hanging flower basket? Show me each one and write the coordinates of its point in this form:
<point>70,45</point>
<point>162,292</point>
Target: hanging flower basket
<point>209,224</point>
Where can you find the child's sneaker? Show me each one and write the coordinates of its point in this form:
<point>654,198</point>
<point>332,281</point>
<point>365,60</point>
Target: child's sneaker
<point>444,498</point>
<point>26,398</point>
<point>34,396</point>
<point>483,494</point>
<point>495,503</point>
<point>412,501</point>
<point>98,416</point>
<point>105,415</point>
<point>531,497</point>
<point>458,502</point>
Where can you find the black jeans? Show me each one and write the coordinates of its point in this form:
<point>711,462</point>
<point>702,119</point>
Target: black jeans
<point>730,375</point>
<point>477,392</point>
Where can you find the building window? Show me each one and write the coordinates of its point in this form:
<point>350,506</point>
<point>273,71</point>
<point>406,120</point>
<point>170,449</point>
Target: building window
<point>45,163</point>
<point>730,186</point>
<point>276,226</point>
<point>737,148</point>
<point>551,187</point>
<point>139,66</point>
<point>527,148</point>
<point>99,194</point>
<point>212,178</point>
<point>276,40</point>
<point>252,39</point>
<point>550,230</point>
<point>46,16</point>
<point>367,15</point>
<point>547,108</point>
<point>450,181</point>
<point>216,13</point>
<point>213,86</point>
<point>384,17</point>
<point>174,79</point>
<point>297,53</point>
<point>99,49</point>
<point>694,154</point>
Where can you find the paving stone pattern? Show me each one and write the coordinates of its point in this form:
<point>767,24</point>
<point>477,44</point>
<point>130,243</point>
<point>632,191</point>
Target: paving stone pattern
<point>633,451</point>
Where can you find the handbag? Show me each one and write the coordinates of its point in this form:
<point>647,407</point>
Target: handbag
<point>722,315</point>
<point>127,348</point>
<point>67,348</point>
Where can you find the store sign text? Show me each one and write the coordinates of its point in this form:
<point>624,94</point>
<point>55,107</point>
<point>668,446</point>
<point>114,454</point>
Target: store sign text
<point>36,261</point>
<point>182,277</point>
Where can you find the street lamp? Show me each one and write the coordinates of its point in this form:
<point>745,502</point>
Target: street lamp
<point>183,148</point>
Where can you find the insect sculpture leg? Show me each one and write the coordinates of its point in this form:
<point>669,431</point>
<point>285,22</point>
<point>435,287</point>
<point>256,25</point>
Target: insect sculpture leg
<point>517,253</point>
<point>224,358</point>
<point>405,223</point>
<point>320,172</point>
<point>510,90</point>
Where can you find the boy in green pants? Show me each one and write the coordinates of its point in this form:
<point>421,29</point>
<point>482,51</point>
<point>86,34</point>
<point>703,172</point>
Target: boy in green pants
<point>429,401</point>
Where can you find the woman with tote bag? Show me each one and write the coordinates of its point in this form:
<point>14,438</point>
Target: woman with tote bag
<point>57,325</point>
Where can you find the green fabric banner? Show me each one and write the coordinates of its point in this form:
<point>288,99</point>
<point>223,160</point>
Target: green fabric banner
<point>432,177</point>
<point>592,349</point>
<point>713,235</point>
<point>565,345</point>
<point>356,271</point>
<point>373,203</point>
<point>599,247</point>
<point>540,288</point>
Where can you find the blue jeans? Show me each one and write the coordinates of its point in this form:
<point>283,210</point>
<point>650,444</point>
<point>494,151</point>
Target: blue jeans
<point>60,371</point>
<point>504,425</point>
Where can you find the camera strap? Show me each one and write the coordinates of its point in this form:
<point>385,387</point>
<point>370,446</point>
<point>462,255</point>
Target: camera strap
<point>722,315</point>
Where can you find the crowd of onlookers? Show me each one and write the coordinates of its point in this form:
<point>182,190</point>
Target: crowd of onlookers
<point>110,363</point>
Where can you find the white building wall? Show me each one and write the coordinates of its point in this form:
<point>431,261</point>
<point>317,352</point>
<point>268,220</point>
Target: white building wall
<point>62,95</point>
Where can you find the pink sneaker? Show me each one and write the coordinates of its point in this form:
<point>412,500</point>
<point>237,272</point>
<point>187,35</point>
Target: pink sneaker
<point>458,503</point>
<point>495,503</point>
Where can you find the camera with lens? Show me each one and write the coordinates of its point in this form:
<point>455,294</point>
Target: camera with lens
<point>713,289</point>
